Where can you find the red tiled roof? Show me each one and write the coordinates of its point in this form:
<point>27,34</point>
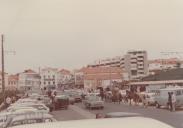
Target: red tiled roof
<point>103,76</point>
<point>165,61</point>
<point>13,78</point>
<point>29,71</point>
<point>102,73</point>
<point>64,71</point>
<point>49,68</point>
<point>102,70</point>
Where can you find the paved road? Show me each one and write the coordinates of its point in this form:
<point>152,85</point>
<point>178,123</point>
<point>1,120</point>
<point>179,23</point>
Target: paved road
<point>78,111</point>
<point>73,113</point>
<point>173,118</point>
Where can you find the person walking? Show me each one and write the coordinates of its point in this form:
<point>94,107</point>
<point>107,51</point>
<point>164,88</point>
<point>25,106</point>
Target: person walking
<point>144,101</point>
<point>170,101</point>
<point>173,101</point>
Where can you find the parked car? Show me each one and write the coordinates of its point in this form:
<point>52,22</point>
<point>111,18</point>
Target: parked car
<point>161,97</point>
<point>150,98</point>
<point>27,100</point>
<point>30,118</point>
<point>76,96</point>
<point>6,115</point>
<point>129,122</point>
<point>61,102</point>
<point>39,107</point>
<point>93,102</point>
<point>71,98</point>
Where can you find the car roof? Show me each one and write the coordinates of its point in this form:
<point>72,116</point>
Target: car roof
<point>130,122</point>
<point>31,116</point>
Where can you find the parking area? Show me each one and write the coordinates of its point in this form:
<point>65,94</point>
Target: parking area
<point>162,114</point>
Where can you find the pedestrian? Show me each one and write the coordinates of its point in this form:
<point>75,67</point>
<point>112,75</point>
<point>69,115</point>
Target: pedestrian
<point>144,101</point>
<point>173,101</point>
<point>170,101</point>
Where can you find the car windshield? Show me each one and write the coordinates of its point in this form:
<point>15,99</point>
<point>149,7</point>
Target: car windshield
<point>82,59</point>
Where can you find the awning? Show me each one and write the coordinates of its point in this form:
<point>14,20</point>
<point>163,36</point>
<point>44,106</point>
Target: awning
<point>156,82</point>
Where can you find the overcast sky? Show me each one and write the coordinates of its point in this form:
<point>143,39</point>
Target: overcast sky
<point>72,33</point>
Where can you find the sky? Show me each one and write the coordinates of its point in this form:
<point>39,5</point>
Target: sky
<point>73,33</point>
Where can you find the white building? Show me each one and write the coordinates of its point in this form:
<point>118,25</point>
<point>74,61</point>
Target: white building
<point>79,77</point>
<point>49,78</point>
<point>29,80</point>
<point>13,81</point>
<point>135,63</point>
<point>64,77</point>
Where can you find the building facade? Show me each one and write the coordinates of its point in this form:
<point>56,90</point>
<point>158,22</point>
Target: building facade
<point>13,81</point>
<point>29,80</point>
<point>65,78</point>
<point>164,64</point>
<point>101,77</point>
<point>79,78</point>
<point>135,63</point>
<point>49,78</point>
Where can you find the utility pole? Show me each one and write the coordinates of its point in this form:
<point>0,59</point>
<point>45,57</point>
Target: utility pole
<point>2,61</point>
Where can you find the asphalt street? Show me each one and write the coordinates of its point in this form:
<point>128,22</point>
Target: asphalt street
<point>78,111</point>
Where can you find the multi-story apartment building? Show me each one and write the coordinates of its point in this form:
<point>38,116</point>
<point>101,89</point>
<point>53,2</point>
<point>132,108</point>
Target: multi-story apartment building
<point>79,77</point>
<point>135,63</point>
<point>13,81</point>
<point>29,80</point>
<point>49,78</point>
<point>65,78</point>
<point>109,62</point>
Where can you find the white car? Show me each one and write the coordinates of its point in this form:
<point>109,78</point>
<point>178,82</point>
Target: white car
<point>39,107</point>
<point>150,98</point>
<point>27,100</point>
<point>28,118</point>
<point>5,115</point>
<point>130,122</point>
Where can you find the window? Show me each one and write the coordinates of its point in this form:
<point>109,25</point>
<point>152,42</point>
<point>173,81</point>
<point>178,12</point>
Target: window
<point>134,72</point>
<point>178,92</point>
<point>44,83</point>
<point>54,82</point>
<point>49,82</point>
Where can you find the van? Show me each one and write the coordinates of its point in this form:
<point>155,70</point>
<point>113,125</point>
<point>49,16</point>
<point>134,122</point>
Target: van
<point>161,97</point>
